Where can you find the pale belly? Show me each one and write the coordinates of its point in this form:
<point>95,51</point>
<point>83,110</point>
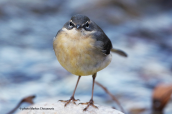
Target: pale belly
<point>80,57</point>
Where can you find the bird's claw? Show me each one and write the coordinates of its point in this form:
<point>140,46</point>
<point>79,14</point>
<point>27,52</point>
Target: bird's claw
<point>91,102</point>
<point>68,101</point>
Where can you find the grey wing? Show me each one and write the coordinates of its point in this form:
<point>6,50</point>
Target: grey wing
<point>103,42</point>
<point>107,47</point>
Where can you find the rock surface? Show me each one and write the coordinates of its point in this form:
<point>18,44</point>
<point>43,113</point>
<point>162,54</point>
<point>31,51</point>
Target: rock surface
<point>58,108</point>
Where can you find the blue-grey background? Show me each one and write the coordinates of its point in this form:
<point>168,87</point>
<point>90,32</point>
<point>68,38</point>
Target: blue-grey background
<point>142,28</point>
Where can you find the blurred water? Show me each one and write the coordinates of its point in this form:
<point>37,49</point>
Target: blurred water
<point>29,66</point>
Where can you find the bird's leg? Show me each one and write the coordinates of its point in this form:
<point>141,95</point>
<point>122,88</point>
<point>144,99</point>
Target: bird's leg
<point>91,102</point>
<point>72,97</point>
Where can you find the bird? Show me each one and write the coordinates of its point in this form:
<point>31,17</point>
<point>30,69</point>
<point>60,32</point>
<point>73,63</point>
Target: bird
<point>83,49</point>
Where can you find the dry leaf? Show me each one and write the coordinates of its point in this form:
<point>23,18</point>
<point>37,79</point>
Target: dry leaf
<point>161,96</point>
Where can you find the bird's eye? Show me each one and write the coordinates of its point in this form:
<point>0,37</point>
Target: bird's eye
<point>71,24</point>
<point>87,25</point>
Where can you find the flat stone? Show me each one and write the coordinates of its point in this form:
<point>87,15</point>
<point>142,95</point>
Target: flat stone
<point>58,108</point>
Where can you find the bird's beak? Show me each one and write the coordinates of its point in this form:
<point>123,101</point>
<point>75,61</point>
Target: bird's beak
<point>78,26</point>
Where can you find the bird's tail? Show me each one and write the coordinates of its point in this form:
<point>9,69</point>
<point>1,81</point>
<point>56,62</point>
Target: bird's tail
<point>120,52</point>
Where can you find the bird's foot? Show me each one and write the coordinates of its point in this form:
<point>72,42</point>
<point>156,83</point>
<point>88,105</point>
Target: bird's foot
<point>68,101</point>
<point>91,102</point>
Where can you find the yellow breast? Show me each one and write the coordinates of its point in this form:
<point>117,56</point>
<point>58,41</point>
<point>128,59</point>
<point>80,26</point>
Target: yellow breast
<point>77,54</point>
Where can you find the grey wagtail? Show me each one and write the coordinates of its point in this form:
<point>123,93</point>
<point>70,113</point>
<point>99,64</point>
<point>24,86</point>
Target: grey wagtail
<point>83,49</point>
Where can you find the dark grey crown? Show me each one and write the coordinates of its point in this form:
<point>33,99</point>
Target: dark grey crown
<point>79,19</point>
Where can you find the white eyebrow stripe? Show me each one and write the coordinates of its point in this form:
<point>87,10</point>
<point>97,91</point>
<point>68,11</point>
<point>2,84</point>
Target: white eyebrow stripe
<point>84,23</point>
<point>72,22</point>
